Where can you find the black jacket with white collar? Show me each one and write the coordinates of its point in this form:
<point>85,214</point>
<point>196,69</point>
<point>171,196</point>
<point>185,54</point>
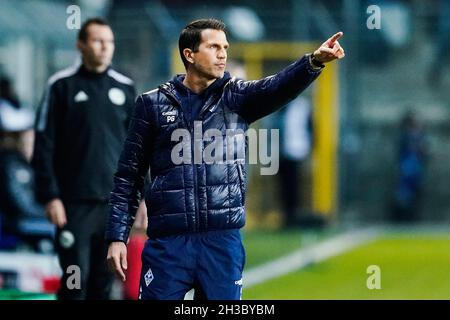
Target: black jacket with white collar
<point>81,125</point>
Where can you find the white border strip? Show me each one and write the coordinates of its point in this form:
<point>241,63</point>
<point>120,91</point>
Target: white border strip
<point>306,256</point>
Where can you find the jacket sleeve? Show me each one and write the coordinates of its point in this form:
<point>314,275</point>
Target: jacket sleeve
<point>256,99</point>
<point>129,177</point>
<point>44,146</point>
<point>130,114</point>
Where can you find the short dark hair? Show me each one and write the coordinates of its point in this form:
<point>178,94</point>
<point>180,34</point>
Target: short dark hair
<point>83,34</point>
<point>191,35</point>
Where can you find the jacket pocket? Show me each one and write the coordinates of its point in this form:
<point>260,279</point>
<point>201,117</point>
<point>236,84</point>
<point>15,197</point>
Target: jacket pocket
<point>150,192</point>
<point>241,181</point>
<point>152,187</point>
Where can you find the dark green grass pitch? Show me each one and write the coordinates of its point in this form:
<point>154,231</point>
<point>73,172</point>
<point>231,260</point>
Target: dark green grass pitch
<point>410,267</point>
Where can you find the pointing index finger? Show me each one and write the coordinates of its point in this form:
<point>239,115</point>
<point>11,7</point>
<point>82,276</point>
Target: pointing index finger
<point>334,38</point>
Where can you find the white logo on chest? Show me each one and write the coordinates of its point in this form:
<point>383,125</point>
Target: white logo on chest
<point>170,116</point>
<point>81,96</point>
<point>117,96</point>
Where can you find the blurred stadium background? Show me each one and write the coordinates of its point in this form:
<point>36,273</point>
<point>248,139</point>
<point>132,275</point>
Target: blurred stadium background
<point>349,183</point>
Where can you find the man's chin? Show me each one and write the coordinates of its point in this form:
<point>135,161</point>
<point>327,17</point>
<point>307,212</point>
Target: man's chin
<point>219,75</point>
<point>213,75</point>
<point>103,65</point>
<point>103,62</point>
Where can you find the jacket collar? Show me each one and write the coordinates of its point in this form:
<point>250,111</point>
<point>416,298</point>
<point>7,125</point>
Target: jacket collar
<point>85,72</point>
<point>176,86</point>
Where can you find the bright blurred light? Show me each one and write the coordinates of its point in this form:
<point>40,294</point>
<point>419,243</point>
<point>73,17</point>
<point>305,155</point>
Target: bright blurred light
<point>244,23</point>
<point>396,23</point>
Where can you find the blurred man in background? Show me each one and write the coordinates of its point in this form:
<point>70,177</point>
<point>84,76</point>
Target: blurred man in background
<point>412,158</point>
<point>295,146</point>
<point>22,220</point>
<point>196,210</point>
<point>10,98</point>
<point>81,126</point>
<point>7,93</point>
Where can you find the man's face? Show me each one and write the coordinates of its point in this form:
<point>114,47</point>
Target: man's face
<point>98,49</point>
<point>211,57</point>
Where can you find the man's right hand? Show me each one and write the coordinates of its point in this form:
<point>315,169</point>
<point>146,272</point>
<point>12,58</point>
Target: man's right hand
<point>117,258</point>
<point>330,50</point>
<point>55,212</point>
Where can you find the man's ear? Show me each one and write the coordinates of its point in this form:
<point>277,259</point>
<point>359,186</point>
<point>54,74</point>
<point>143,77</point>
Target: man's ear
<point>80,45</point>
<point>188,55</point>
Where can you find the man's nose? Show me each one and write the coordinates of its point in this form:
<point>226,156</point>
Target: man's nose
<point>105,45</point>
<point>222,54</point>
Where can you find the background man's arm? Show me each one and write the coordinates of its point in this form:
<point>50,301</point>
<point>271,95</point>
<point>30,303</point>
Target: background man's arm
<point>47,190</point>
<point>44,146</point>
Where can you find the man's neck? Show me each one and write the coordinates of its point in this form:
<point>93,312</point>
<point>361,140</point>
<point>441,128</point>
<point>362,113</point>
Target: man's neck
<point>95,68</point>
<point>197,83</point>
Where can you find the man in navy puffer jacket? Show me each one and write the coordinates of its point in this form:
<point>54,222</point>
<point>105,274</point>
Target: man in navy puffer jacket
<point>196,208</point>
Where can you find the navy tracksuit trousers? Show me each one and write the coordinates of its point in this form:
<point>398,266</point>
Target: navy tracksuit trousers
<point>210,262</point>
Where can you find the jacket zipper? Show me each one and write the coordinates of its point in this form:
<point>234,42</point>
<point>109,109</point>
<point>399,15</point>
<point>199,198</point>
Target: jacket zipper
<point>210,101</point>
<point>197,213</point>
<point>191,130</point>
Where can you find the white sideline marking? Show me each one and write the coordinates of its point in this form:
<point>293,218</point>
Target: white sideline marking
<point>305,256</point>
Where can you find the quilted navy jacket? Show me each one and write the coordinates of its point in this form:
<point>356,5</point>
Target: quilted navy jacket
<point>190,197</point>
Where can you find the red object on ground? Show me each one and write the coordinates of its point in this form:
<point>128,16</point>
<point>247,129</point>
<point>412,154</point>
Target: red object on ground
<point>51,284</point>
<point>131,285</point>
